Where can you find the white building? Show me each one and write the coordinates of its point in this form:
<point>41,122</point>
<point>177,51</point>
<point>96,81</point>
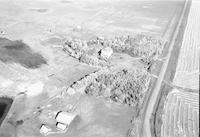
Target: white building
<point>65,117</point>
<point>44,130</point>
<point>106,52</point>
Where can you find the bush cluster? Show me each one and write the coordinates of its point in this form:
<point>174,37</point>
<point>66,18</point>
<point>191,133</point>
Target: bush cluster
<point>85,52</point>
<point>138,46</point>
<point>123,85</point>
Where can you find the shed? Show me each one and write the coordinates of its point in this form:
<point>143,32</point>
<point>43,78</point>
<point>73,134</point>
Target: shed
<point>61,126</point>
<point>44,129</point>
<point>65,117</point>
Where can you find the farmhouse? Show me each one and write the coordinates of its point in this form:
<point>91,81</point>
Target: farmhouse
<point>106,52</point>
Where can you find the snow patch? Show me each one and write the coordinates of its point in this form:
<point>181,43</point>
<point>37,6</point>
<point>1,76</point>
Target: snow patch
<point>35,89</point>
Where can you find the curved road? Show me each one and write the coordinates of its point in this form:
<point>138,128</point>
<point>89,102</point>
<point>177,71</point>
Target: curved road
<point>155,93</point>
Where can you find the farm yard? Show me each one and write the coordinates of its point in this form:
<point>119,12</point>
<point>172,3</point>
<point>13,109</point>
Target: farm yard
<point>144,48</point>
<point>181,115</point>
<point>89,68</point>
<point>187,71</point>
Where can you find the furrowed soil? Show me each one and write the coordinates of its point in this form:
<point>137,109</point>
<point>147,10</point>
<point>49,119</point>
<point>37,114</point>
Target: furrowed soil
<point>156,120</point>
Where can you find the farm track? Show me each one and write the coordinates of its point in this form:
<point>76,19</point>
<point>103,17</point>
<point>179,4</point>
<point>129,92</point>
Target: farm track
<point>187,71</point>
<point>181,115</point>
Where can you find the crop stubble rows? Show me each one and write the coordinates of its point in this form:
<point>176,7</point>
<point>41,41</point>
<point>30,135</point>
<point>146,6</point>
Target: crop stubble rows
<point>181,115</point>
<point>187,72</point>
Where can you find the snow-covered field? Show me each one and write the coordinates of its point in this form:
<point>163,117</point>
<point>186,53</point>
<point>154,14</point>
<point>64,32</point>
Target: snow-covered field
<point>181,115</point>
<point>187,71</point>
<point>44,25</point>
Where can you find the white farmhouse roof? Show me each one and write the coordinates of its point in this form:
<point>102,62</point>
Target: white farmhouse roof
<point>106,52</point>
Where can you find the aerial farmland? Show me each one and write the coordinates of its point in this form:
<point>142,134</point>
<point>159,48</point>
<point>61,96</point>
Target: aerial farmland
<point>187,71</point>
<point>181,114</point>
<point>103,68</point>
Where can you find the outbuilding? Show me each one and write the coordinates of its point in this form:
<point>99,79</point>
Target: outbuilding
<point>44,130</point>
<point>61,126</point>
<point>65,117</point>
